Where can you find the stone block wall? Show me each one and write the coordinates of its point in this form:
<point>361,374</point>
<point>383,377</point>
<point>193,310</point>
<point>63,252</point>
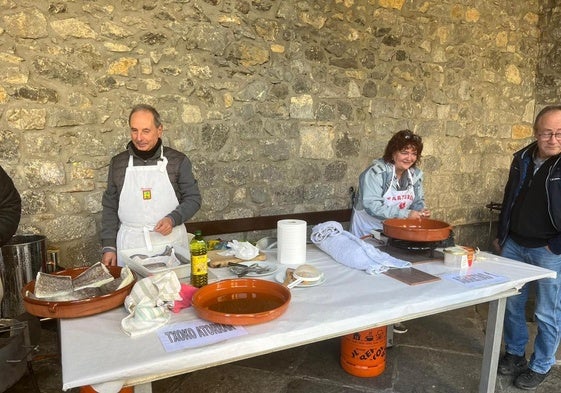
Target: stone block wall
<point>548,80</point>
<point>279,104</point>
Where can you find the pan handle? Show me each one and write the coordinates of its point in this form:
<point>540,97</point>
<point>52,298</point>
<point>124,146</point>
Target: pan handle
<point>52,308</point>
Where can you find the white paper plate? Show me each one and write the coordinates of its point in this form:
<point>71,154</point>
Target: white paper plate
<point>273,267</point>
<point>279,277</point>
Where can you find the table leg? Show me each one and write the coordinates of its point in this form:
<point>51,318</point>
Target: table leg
<point>389,337</point>
<point>492,349</point>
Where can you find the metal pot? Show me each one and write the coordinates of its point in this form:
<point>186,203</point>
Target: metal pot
<point>22,258</point>
<point>423,230</point>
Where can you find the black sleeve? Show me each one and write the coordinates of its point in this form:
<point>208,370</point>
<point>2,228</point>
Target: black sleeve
<point>10,208</point>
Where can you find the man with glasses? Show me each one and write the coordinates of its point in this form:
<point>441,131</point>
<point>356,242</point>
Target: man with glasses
<point>530,231</point>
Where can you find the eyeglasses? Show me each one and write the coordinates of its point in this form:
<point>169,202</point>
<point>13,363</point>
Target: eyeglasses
<point>545,136</point>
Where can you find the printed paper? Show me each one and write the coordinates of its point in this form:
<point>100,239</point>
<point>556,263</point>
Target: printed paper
<point>475,278</point>
<point>197,333</point>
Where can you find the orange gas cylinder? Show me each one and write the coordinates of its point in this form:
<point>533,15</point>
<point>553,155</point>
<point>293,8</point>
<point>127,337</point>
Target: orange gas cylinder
<point>363,354</point>
<point>89,389</point>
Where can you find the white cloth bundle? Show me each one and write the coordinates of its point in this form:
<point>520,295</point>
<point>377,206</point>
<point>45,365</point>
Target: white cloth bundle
<point>149,303</point>
<point>351,251</point>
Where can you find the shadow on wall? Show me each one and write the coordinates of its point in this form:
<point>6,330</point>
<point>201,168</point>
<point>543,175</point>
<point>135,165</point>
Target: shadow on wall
<point>478,235</point>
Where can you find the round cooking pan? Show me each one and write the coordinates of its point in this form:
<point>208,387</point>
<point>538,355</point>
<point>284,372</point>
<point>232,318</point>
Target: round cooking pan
<point>75,308</point>
<point>241,301</point>
<point>416,230</point>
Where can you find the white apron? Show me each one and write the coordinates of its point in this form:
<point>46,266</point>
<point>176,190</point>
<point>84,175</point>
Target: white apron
<point>146,198</point>
<point>363,223</point>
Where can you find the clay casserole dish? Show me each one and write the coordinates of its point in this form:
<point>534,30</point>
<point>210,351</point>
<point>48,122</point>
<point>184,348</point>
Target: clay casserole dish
<point>423,230</point>
<point>76,308</point>
<point>241,301</point>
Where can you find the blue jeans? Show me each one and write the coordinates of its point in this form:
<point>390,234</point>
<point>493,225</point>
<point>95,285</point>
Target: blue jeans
<point>547,311</point>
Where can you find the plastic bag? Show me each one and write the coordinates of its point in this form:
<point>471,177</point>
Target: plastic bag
<point>242,250</point>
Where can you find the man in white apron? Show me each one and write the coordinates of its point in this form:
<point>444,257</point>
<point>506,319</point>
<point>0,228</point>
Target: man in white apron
<point>151,192</point>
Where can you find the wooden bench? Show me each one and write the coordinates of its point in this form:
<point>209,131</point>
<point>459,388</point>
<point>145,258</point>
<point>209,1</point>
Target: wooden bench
<point>238,225</point>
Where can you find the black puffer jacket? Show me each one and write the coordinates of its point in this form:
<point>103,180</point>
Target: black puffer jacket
<point>10,208</point>
<point>552,188</point>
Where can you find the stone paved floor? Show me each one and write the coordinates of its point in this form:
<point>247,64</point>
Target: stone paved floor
<point>440,353</point>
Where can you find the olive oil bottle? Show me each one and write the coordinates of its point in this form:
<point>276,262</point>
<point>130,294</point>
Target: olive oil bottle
<point>199,259</point>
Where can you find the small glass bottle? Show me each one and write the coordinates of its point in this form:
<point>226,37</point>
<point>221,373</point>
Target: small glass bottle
<point>199,260</point>
<point>52,260</point>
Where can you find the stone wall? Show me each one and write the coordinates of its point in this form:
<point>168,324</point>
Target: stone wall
<point>279,104</point>
<point>548,80</point>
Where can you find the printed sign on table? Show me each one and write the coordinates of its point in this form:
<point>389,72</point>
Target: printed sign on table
<point>475,278</point>
<point>197,333</point>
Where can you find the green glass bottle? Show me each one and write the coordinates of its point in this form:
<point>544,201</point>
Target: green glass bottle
<point>199,260</point>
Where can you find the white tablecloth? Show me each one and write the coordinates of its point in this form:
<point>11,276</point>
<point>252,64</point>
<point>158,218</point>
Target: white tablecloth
<point>95,350</point>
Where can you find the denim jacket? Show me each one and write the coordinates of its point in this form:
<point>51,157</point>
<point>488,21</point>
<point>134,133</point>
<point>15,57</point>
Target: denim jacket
<point>373,184</point>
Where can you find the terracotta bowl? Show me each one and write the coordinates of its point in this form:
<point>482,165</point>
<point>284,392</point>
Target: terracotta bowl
<point>76,308</point>
<point>423,230</point>
<point>241,301</point>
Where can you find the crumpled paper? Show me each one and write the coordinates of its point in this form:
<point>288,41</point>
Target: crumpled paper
<point>241,250</point>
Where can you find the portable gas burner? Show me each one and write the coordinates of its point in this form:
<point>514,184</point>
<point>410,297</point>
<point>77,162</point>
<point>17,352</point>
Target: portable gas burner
<point>430,246</point>
<point>414,251</point>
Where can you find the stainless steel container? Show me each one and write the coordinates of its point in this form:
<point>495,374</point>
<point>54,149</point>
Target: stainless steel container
<point>16,353</point>
<point>22,258</point>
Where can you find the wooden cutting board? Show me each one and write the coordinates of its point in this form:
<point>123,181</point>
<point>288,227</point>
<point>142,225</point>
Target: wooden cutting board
<point>217,260</point>
<point>411,276</point>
